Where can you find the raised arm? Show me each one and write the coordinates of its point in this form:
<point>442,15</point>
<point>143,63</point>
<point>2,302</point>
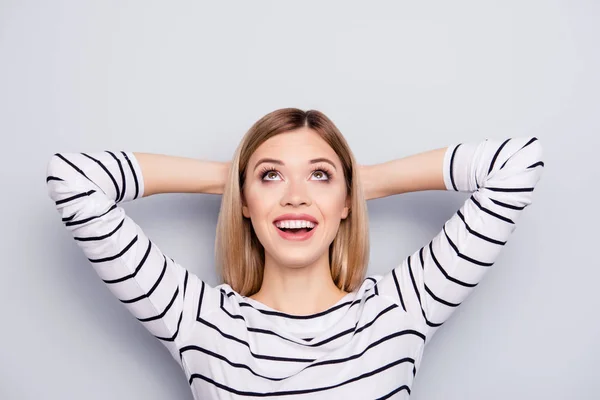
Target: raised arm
<point>501,175</point>
<point>87,190</point>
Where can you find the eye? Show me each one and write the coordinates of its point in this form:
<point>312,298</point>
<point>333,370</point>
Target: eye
<point>321,175</point>
<point>270,173</point>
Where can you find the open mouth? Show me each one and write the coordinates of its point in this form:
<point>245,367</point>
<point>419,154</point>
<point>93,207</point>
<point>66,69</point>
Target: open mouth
<point>294,230</point>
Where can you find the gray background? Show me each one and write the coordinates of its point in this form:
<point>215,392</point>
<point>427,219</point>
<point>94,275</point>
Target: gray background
<point>189,78</point>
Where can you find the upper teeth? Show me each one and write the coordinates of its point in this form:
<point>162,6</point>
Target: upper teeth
<point>294,224</point>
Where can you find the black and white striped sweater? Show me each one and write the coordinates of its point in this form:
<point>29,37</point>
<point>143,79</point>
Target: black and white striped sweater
<point>369,345</point>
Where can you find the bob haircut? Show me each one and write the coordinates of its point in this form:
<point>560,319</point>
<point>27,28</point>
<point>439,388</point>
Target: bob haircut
<point>239,254</point>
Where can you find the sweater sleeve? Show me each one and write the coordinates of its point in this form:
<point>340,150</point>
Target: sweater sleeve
<point>501,176</point>
<point>87,190</point>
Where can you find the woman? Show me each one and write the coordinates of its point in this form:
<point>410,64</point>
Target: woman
<point>295,316</point>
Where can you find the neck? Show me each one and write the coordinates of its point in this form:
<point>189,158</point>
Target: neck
<point>297,290</point>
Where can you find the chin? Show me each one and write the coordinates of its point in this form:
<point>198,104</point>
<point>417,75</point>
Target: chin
<point>295,259</point>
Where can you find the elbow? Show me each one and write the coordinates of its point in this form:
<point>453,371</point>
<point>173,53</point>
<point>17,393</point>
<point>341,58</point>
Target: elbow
<point>536,158</point>
<point>537,150</point>
<point>62,182</point>
<point>53,168</point>
<point>53,176</point>
<point>533,168</point>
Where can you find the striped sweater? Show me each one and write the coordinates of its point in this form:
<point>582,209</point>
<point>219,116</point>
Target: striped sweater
<point>369,345</point>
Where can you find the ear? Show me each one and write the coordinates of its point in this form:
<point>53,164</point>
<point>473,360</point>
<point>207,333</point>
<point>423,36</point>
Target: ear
<point>245,210</point>
<point>346,209</point>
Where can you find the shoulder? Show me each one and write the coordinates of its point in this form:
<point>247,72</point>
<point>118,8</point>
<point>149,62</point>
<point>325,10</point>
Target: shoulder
<point>369,284</point>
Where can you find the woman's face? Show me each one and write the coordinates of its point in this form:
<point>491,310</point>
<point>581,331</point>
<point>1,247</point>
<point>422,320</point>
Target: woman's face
<point>290,174</point>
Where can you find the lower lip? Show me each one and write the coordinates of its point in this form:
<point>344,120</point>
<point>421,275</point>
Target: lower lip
<point>296,236</point>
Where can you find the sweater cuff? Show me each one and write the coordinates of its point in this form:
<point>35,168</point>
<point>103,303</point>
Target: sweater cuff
<point>137,176</point>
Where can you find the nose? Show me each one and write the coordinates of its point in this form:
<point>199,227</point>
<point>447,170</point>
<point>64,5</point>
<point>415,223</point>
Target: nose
<point>295,194</point>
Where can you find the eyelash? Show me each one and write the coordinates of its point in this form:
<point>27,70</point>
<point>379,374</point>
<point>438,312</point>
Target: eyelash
<point>327,172</point>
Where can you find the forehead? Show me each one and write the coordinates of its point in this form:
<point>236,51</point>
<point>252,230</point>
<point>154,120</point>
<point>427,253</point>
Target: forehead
<point>298,145</point>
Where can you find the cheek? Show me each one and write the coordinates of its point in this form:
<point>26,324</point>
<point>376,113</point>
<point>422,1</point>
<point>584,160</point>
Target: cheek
<point>260,205</point>
<point>330,202</point>
<point>260,201</point>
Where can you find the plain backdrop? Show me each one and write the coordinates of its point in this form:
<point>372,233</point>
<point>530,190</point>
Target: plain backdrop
<point>189,78</point>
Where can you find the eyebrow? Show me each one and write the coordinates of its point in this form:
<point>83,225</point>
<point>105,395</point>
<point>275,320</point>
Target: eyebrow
<point>279,162</point>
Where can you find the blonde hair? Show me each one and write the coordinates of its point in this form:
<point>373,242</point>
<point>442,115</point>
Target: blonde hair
<point>239,254</point>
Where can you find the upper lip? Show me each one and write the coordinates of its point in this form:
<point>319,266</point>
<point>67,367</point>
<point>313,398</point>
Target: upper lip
<point>304,217</point>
